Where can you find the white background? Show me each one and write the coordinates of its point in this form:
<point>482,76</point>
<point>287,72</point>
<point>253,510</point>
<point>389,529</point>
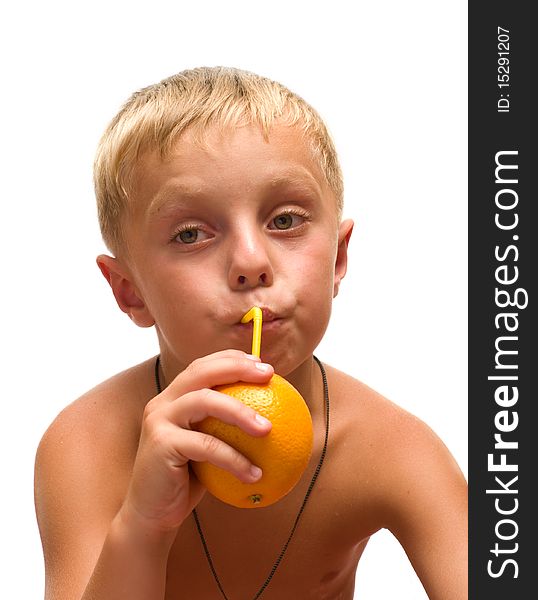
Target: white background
<point>390,80</point>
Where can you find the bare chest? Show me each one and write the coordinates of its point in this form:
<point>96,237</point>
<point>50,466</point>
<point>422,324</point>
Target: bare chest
<point>253,551</point>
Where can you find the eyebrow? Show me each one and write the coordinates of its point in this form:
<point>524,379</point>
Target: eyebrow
<point>177,193</point>
<point>297,178</point>
<point>173,194</point>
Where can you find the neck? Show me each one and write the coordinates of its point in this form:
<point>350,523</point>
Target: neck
<point>305,379</point>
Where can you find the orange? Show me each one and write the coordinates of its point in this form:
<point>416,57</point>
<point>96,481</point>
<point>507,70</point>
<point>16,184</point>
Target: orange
<point>282,454</point>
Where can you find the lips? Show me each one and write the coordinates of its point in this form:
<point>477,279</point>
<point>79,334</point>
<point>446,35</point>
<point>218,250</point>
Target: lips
<point>268,315</point>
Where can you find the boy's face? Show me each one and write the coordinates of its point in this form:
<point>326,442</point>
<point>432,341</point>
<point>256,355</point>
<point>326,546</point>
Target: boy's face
<point>225,225</point>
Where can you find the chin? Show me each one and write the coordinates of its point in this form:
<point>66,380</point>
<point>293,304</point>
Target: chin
<point>285,362</point>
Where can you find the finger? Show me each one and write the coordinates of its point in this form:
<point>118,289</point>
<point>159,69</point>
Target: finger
<point>194,407</point>
<point>219,370</point>
<point>200,447</point>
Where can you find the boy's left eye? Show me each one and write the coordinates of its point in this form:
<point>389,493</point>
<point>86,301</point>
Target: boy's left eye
<point>286,221</point>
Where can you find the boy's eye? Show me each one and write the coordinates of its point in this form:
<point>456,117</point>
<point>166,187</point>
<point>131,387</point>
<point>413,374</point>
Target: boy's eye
<point>286,221</point>
<point>190,235</point>
<point>283,221</point>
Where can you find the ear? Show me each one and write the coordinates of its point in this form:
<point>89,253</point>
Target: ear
<point>126,293</point>
<point>340,266</point>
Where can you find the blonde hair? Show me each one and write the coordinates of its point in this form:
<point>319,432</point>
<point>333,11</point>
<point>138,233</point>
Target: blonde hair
<point>154,117</point>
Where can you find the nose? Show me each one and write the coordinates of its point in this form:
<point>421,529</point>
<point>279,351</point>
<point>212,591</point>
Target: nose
<point>249,262</point>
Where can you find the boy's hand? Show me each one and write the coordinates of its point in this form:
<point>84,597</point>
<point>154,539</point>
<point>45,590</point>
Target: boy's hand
<point>162,490</point>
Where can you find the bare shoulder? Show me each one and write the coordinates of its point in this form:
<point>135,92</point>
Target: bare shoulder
<point>385,422</point>
<point>405,454</point>
<point>83,463</point>
<point>369,418</point>
<point>407,481</point>
<point>110,413</point>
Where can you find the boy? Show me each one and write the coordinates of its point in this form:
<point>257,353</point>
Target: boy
<point>219,190</point>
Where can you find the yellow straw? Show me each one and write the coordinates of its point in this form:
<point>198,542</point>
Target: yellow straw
<point>255,314</point>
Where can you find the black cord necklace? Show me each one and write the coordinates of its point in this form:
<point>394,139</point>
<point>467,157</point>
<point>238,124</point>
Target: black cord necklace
<point>301,509</point>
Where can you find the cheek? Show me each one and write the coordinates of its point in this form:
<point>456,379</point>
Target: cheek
<point>314,284</point>
<point>174,300</point>
<point>315,271</point>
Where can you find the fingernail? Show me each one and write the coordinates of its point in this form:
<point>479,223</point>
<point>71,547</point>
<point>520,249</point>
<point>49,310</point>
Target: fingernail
<point>263,367</point>
<point>255,472</point>
<point>262,420</point>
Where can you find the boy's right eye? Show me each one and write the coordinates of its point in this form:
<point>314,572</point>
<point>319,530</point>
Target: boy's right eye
<point>189,234</point>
